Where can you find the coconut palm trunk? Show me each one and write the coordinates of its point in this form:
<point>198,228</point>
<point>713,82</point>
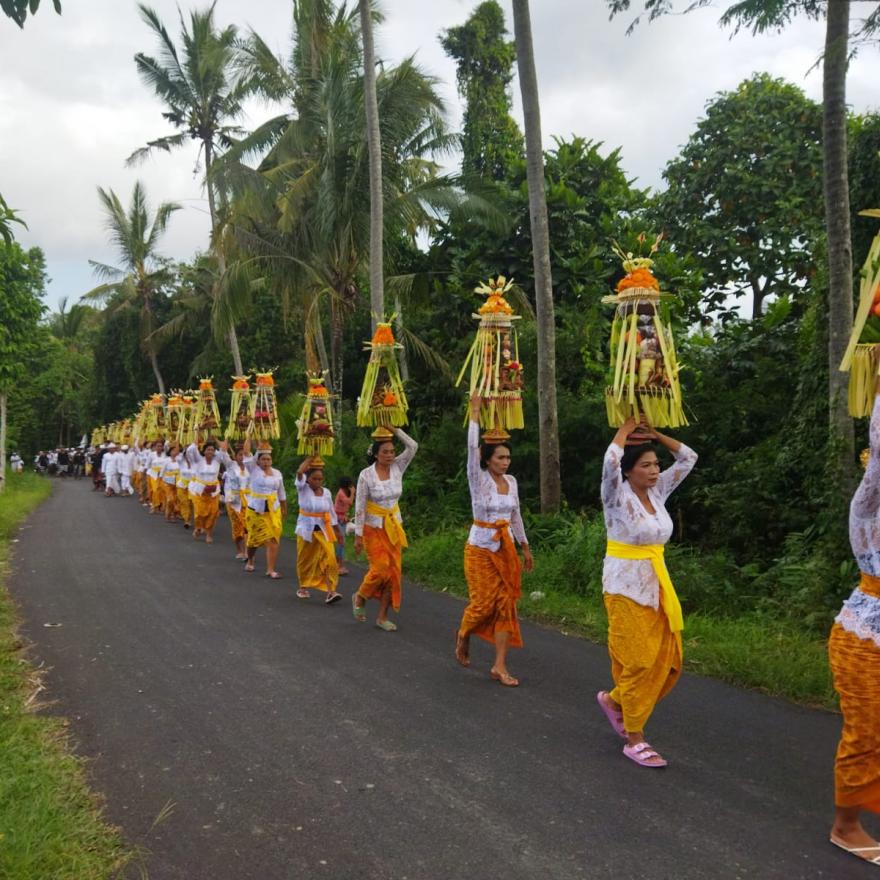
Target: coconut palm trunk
<point>837,212</point>
<point>374,145</point>
<point>548,425</point>
<point>231,336</point>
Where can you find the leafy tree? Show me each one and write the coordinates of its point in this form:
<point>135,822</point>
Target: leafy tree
<point>204,98</point>
<point>744,194</point>
<point>22,282</point>
<point>137,284</point>
<point>484,68</point>
<point>551,486</point>
<point>18,10</point>
<point>7,217</point>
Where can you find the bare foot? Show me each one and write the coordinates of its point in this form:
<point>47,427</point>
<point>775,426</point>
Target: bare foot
<point>462,650</point>
<point>502,676</point>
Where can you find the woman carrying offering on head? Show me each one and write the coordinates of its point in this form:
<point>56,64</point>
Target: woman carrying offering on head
<point>854,653</point>
<point>266,508</point>
<point>156,495</point>
<point>491,564</point>
<point>316,566</point>
<point>644,614</point>
<point>379,526</point>
<point>204,487</point>
<point>168,479</point>
<point>184,499</point>
<point>235,496</point>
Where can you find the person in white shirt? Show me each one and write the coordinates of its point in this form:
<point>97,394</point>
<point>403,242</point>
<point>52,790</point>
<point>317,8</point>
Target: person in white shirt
<point>204,486</point>
<point>316,565</point>
<point>378,527</point>
<point>491,564</point>
<point>125,468</point>
<point>644,614</point>
<point>111,472</point>
<point>16,462</point>
<point>184,499</point>
<point>235,489</point>
<point>155,464</point>
<point>266,508</point>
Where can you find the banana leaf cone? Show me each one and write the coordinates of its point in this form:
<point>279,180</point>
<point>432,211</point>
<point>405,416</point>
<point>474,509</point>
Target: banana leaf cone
<point>314,428</point>
<point>241,409</point>
<point>493,366</point>
<point>264,410</point>
<point>207,413</point>
<point>383,399</point>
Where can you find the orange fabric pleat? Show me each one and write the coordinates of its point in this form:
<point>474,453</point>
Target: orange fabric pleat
<point>385,569</point>
<point>855,664</point>
<point>494,585</point>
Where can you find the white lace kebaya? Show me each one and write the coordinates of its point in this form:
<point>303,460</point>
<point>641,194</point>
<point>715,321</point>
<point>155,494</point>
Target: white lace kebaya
<point>385,493</point>
<point>488,504</point>
<point>203,473</point>
<point>860,614</point>
<point>311,503</point>
<point>627,521</point>
<point>238,478</point>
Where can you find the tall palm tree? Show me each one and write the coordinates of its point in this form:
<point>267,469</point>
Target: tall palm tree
<point>374,145</point>
<point>551,488</point>
<point>7,217</point>
<point>203,97</point>
<point>137,283</point>
<point>305,211</point>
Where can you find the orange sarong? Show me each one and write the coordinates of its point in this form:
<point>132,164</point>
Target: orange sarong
<point>855,664</point>
<point>207,509</point>
<point>494,582</point>
<point>156,495</point>
<point>184,504</point>
<point>316,566</point>
<point>385,566</point>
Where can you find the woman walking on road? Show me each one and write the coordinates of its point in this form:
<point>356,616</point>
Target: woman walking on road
<point>316,566</point>
<point>379,526</point>
<point>266,508</point>
<point>235,496</point>
<point>168,478</point>
<point>644,614</point>
<point>204,487</point>
<point>491,564</point>
<point>854,653</point>
<point>156,496</point>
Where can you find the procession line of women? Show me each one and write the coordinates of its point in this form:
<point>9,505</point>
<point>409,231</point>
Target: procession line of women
<point>644,614</point>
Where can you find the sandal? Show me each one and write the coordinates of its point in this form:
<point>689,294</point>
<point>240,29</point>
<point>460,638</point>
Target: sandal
<point>856,850</point>
<point>461,650</point>
<point>387,625</point>
<point>249,567</point>
<point>332,597</point>
<point>614,716</point>
<point>303,594</point>
<point>359,612</point>
<point>273,575</point>
<point>504,678</point>
<point>642,753</point>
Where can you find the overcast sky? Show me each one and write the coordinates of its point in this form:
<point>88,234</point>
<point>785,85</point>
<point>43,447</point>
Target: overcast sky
<point>72,107</point>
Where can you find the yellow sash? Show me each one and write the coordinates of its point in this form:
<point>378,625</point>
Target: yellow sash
<point>267,497</point>
<point>654,552</point>
<point>329,531</point>
<point>869,584</point>
<point>395,531</point>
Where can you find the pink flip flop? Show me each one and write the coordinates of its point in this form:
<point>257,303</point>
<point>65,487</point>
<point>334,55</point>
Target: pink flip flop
<point>615,719</point>
<point>641,753</point>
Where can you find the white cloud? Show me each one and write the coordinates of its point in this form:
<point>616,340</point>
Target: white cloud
<point>72,107</point>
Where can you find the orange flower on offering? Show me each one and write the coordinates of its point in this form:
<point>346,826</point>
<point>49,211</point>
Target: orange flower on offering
<point>384,335</point>
<point>240,383</point>
<point>265,379</point>
<point>206,385</point>
<point>638,278</point>
<point>389,399</point>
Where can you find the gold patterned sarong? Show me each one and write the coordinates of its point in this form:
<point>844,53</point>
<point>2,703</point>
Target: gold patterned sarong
<point>855,664</point>
<point>316,566</point>
<point>184,504</point>
<point>264,527</point>
<point>494,585</point>
<point>206,508</point>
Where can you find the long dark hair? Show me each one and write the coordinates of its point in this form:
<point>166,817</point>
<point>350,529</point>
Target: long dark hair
<point>346,484</point>
<point>632,454</point>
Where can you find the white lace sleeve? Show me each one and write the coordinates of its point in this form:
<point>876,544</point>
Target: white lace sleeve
<point>193,455</point>
<point>685,459</point>
<point>474,471</point>
<point>360,503</point>
<point>410,448</point>
<point>516,521</point>
<point>612,480</point>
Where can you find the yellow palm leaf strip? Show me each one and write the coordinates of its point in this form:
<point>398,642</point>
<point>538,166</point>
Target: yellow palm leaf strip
<point>870,278</point>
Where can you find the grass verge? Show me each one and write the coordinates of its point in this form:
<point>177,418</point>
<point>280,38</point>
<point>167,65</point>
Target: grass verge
<point>50,823</point>
<point>752,650</point>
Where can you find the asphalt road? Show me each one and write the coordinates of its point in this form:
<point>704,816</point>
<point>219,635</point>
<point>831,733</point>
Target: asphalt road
<point>295,743</point>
